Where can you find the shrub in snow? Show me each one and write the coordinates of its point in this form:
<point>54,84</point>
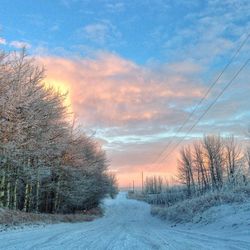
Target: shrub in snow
<point>186,210</point>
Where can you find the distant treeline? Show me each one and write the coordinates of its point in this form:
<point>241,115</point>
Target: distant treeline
<point>212,171</point>
<point>213,163</point>
<point>46,165</point>
<point>209,164</point>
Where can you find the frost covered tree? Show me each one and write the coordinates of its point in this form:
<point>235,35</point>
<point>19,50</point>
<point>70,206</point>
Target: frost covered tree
<point>154,185</point>
<point>247,159</point>
<point>201,168</point>
<point>44,165</point>
<point>112,185</point>
<point>186,169</point>
<point>213,163</point>
<point>213,150</point>
<point>233,159</point>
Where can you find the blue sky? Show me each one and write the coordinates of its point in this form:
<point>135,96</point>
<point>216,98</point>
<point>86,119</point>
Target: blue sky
<point>136,69</point>
<point>142,31</point>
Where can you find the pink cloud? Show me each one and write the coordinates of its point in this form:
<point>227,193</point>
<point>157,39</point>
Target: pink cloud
<point>2,41</point>
<point>20,44</point>
<point>109,91</point>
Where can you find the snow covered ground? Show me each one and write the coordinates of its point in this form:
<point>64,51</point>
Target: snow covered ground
<point>127,224</point>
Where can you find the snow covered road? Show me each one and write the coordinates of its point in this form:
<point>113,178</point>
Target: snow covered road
<point>127,224</point>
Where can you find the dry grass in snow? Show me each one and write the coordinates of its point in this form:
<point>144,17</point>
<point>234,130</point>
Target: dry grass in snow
<point>11,218</point>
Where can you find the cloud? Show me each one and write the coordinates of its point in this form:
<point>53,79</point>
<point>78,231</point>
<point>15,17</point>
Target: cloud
<point>16,44</point>
<point>134,159</point>
<point>115,7</point>
<point>68,3</point>
<point>96,32</point>
<point>2,41</point>
<point>131,107</point>
<point>205,32</point>
<point>54,28</point>
<point>135,110</point>
<point>20,44</point>
<point>100,32</point>
<point>112,91</point>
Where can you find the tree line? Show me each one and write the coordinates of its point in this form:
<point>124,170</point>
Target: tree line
<point>46,165</point>
<point>212,163</point>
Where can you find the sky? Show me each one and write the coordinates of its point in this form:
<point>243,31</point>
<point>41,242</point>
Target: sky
<point>135,70</point>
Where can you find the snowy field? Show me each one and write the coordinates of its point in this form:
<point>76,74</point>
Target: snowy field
<point>127,224</point>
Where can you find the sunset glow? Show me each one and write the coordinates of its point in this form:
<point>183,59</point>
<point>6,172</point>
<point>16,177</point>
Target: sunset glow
<point>63,88</point>
<point>134,72</point>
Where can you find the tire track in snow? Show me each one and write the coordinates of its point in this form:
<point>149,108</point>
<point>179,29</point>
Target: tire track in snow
<point>127,224</point>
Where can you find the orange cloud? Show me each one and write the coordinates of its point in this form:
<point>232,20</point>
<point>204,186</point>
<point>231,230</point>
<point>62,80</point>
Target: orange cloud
<point>135,159</point>
<point>110,92</point>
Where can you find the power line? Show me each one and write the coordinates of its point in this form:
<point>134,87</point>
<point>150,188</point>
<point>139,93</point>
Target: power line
<point>203,98</point>
<point>210,106</point>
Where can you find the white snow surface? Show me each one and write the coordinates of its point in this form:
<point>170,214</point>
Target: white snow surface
<point>127,224</point>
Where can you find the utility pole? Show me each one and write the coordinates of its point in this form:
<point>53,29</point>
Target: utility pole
<point>142,182</point>
<point>133,186</point>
